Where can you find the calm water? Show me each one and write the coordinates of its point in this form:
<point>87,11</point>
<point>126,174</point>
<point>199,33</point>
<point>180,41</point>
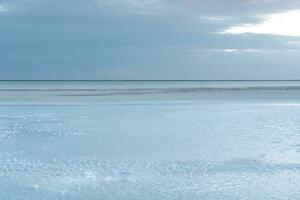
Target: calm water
<point>149,140</point>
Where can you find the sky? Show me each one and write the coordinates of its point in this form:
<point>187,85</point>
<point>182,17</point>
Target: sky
<point>149,39</point>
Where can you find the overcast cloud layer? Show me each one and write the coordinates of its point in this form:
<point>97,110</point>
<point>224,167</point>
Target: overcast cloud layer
<point>149,39</point>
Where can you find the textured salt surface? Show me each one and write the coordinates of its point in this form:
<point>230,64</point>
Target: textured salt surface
<point>151,150</point>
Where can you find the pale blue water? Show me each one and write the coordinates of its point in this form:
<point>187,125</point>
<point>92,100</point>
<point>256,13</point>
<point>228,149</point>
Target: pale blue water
<point>149,140</point>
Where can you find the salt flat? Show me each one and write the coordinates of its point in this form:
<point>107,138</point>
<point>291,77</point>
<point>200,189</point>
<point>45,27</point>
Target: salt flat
<point>195,144</point>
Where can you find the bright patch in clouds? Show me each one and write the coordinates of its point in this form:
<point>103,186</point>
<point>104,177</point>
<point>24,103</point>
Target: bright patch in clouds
<point>255,51</point>
<point>286,24</point>
<point>293,43</point>
<point>240,50</point>
<point>215,18</point>
<point>2,9</point>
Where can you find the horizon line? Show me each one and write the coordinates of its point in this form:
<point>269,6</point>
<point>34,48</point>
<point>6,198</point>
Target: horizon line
<point>149,80</point>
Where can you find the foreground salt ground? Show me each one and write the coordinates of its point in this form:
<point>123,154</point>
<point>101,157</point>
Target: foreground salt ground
<point>150,150</point>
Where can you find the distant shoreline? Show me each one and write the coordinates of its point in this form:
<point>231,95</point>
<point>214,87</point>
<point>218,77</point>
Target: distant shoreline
<point>152,80</point>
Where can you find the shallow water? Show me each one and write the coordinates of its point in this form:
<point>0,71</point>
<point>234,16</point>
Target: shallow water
<point>196,144</point>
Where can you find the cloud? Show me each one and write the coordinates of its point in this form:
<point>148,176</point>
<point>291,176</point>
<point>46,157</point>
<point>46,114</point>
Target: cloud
<point>240,51</point>
<point>2,8</point>
<point>148,37</point>
<point>215,18</point>
<point>293,43</point>
<point>285,24</point>
<point>259,1</point>
<point>145,7</point>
